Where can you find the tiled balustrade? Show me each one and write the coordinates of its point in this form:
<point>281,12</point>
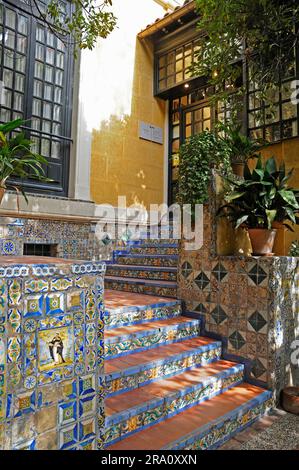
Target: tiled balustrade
<point>51,354</point>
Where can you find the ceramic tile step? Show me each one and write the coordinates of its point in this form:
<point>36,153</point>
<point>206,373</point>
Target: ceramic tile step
<point>142,272</point>
<point>204,426</point>
<point>142,286</point>
<point>128,339</point>
<point>147,260</point>
<point>134,370</point>
<point>153,250</point>
<point>159,241</point>
<point>125,308</point>
<point>146,406</point>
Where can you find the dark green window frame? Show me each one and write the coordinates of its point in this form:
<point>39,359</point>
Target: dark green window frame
<point>37,71</point>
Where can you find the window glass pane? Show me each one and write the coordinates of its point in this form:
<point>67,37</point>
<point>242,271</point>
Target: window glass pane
<point>57,113</point>
<point>9,39</point>
<point>45,148</point>
<point>35,123</point>
<point>21,44</point>
<point>50,56</point>
<point>37,88</point>
<point>40,33</point>
<point>8,78</point>
<point>60,60</point>
<point>47,109</point>
<point>23,25</point>
<point>48,91</point>
<point>55,150</point>
<point>58,95</point>
<point>46,126</point>
<point>19,82</point>
<point>18,102</point>
<point>36,107</point>
<point>49,73</point>
<point>289,111</point>
<point>10,18</point>
<point>38,70</point>
<point>8,58</point>
<point>39,51</point>
<point>4,115</point>
<point>289,129</point>
<point>59,77</point>
<point>7,98</point>
<point>272,114</point>
<point>56,128</point>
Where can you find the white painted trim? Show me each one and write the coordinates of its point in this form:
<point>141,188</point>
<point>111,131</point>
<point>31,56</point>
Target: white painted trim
<point>81,153</point>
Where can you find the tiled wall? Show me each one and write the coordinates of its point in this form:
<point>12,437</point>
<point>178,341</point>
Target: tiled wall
<point>253,303</point>
<point>51,356</point>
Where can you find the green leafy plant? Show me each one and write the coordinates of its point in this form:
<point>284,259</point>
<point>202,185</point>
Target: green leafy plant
<point>294,250</point>
<point>198,156</point>
<point>240,147</point>
<point>263,197</point>
<point>262,32</point>
<point>83,24</point>
<point>16,157</point>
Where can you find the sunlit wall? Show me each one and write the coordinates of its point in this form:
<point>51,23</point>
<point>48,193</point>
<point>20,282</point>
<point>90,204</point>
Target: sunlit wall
<point>116,92</point>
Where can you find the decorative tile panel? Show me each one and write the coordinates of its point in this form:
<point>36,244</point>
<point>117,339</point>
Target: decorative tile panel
<point>51,355</point>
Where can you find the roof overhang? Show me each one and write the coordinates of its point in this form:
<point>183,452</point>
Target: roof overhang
<point>168,19</point>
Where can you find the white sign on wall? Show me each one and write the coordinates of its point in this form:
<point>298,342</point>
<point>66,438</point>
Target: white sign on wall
<point>150,132</point>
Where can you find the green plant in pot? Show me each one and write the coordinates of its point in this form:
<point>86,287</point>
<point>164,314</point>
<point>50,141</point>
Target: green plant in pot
<point>17,159</point>
<point>199,155</point>
<point>241,148</point>
<point>262,198</point>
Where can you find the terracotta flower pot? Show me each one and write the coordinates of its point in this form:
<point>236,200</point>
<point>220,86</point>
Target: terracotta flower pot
<point>238,169</point>
<point>290,400</point>
<point>262,241</point>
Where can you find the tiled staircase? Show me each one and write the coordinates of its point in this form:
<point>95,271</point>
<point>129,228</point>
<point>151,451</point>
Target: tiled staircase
<point>167,387</point>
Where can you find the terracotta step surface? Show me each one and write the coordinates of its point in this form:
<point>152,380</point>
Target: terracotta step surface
<point>146,327</point>
<point>166,433</point>
<point>136,267</point>
<point>117,299</point>
<point>162,388</point>
<point>159,353</point>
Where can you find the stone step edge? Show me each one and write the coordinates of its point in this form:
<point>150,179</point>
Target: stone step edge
<point>116,315</point>
<point>153,330</point>
<point>234,369</point>
<point>193,333</point>
<point>131,370</point>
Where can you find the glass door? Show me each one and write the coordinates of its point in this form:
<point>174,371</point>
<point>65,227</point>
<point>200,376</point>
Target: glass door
<point>186,119</point>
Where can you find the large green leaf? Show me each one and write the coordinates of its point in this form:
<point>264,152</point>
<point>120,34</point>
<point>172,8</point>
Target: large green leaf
<point>271,166</point>
<point>289,197</point>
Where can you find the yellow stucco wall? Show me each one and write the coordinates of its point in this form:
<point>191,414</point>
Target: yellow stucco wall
<point>122,164</point>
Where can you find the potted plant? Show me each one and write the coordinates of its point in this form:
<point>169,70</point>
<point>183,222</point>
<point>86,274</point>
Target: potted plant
<point>17,159</point>
<point>261,199</point>
<point>240,147</point>
<point>199,155</point>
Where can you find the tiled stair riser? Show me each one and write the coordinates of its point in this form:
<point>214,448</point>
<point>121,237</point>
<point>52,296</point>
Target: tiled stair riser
<point>118,383</point>
<point>136,316</point>
<point>216,433</point>
<point>160,275</point>
<point>123,424</point>
<point>151,260</point>
<point>152,250</point>
<point>118,347</point>
<point>148,289</point>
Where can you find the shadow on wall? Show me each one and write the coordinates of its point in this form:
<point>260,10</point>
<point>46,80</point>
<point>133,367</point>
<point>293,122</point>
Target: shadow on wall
<point>121,163</point>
